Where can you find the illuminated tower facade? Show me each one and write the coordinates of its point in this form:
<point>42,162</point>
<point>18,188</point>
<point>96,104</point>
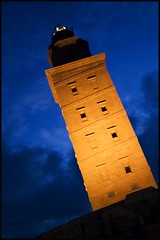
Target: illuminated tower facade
<point>107,150</point>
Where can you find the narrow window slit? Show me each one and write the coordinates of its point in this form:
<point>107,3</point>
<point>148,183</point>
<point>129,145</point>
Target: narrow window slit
<point>111,127</point>
<point>100,164</point>
<point>71,83</point>
<point>80,108</point>
<point>89,134</point>
<point>90,77</point>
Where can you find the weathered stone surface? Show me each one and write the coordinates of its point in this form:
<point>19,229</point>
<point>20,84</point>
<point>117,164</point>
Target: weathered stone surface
<point>108,152</point>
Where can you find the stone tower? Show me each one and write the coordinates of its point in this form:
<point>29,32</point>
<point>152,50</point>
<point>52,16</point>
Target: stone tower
<point>107,150</point>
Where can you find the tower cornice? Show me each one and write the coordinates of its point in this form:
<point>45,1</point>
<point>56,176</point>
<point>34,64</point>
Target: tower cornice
<point>99,58</point>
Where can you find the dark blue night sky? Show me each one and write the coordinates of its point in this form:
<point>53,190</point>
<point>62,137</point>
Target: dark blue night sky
<point>41,183</point>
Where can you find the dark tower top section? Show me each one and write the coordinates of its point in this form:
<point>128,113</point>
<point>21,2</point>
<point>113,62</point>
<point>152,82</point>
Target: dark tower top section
<point>65,47</point>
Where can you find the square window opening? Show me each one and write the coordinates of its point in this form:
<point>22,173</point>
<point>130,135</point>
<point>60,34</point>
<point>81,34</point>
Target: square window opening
<point>83,115</point>
<point>134,186</point>
<point>114,135</point>
<point>111,194</point>
<point>104,109</point>
<point>128,169</point>
<point>74,90</point>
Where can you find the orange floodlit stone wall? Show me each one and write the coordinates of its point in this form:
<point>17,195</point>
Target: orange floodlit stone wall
<point>108,153</point>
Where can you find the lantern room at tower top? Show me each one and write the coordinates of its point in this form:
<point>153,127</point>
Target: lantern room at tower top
<point>65,47</point>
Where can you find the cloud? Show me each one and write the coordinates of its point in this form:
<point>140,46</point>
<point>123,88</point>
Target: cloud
<point>14,122</point>
<point>143,114</point>
<point>55,138</point>
<point>141,109</point>
<point>38,98</point>
<point>149,88</point>
<point>34,119</point>
<point>137,114</point>
<point>18,111</point>
<point>35,183</point>
<point>149,144</point>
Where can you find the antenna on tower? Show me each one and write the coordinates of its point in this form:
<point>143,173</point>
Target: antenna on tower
<point>53,24</point>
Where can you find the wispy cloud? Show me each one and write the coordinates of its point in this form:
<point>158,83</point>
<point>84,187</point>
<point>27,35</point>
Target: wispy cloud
<point>37,179</point>
<point>55,138</point>
<point>141,109</point>
<point>38,99</point>
<point>18,110</point>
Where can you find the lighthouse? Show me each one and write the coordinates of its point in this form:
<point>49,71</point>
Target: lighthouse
<point>107,150</point>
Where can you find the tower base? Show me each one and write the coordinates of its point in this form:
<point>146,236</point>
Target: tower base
<point>136,217</point>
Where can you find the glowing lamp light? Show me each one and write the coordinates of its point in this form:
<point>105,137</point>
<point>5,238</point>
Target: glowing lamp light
<point>60,28</point>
